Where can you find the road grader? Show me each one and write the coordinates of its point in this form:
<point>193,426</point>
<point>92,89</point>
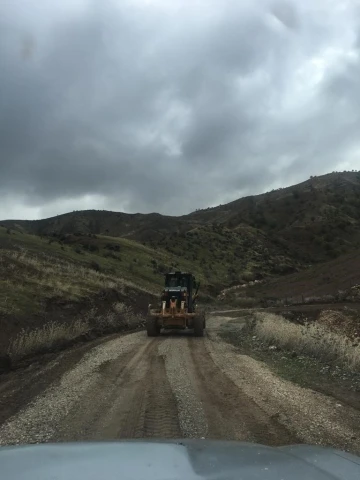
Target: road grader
<point>177,309</point>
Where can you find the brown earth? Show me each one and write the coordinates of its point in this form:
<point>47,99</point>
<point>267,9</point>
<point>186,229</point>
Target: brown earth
<point>176,385</point>
<point>316,280</point>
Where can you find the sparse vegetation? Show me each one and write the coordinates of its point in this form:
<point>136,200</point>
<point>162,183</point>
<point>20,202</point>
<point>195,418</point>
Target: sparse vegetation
<point>116,264</point>
<point>310,339</point>
<point>266,237</point>
<point>43,287</point>
<point>38,277</point>
<point>255,233</point>
<point>53,335</point>
<point>45,338</point>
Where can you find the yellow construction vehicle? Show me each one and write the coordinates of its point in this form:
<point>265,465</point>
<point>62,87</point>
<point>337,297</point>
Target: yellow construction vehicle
<point>177,308</point>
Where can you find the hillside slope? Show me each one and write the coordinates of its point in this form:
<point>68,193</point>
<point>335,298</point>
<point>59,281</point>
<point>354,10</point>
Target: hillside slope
<point>101,222</point>
<point>48,279</point>
<point>270,234</point>
<point>319,217</point>
<point>328,278</point>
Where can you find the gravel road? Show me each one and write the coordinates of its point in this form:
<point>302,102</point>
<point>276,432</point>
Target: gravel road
<point>132,386</point>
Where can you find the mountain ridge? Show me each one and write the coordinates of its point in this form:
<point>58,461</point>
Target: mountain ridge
<point>273,233</point>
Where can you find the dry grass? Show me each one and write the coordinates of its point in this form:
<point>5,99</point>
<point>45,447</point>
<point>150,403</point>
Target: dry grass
<point>54,334</point>
<point>47,337</point>
<point>27,279</point>
<point>61,275</point>
<point>118,317</point>
<point>312,339</point>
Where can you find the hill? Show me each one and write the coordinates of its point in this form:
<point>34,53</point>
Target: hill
<point>300,240</point>
<point>318,218</point>
<point>327,279</point>
<point>115,224</point>
<point>59,291</point>
<point>60,284</point>
<point>274,233</point>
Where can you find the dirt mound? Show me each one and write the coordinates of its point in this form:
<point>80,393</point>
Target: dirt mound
<point>346,322</point>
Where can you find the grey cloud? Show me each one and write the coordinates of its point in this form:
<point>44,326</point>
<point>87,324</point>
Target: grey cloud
<point>286,13</point>
<point>170,112</point>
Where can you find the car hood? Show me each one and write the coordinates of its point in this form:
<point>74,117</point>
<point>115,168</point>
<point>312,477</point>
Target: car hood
<point>175,460</point>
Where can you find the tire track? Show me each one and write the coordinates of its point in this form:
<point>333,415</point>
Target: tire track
<point>48,415</point>
<point>161,413</point>
<point>133,399</point>
<point>231,414</point>
<point>22,386</point>
<point>112,408</point>
<point>171,386</point>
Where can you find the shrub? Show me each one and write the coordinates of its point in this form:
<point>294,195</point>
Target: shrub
<point>112,255</point>
<point>90,247</point>
<point>334,253</point>
<point>113,246</point>
<point>246,302</point>
<point>311,339</point>
<point>248,276</point>
<point>95,266</point>
<point>47,337</point>
<point>55,334</point>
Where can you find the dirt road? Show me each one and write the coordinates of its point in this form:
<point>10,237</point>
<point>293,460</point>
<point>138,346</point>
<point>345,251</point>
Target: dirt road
<point>132,386</point>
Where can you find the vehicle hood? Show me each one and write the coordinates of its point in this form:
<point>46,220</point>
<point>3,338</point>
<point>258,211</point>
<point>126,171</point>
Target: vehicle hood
<point>175,460</point>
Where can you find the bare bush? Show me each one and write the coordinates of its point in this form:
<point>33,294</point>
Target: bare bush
<point>311,339</point>
<point>124,311</point>
<point>46,337</point>
<point>54,334</point>
<point>119,317</point>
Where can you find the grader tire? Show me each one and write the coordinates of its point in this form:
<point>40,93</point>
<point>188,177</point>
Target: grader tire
<point>152,329</point>
<point>199,326</point>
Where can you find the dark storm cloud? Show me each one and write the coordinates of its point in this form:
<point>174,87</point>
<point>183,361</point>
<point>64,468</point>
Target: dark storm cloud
<point>169,108</point>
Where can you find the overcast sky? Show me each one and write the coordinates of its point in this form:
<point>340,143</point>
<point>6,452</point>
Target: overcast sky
<point>172,105</point>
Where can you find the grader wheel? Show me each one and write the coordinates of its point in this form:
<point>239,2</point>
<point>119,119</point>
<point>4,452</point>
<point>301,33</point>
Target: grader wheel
<point>152,328</point>
<point>199,324</point>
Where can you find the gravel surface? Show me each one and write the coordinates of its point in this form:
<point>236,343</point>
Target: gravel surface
<point>39,421</point>
<point>316,418</point>
<point>171,386</point>
<point>192,419</point>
